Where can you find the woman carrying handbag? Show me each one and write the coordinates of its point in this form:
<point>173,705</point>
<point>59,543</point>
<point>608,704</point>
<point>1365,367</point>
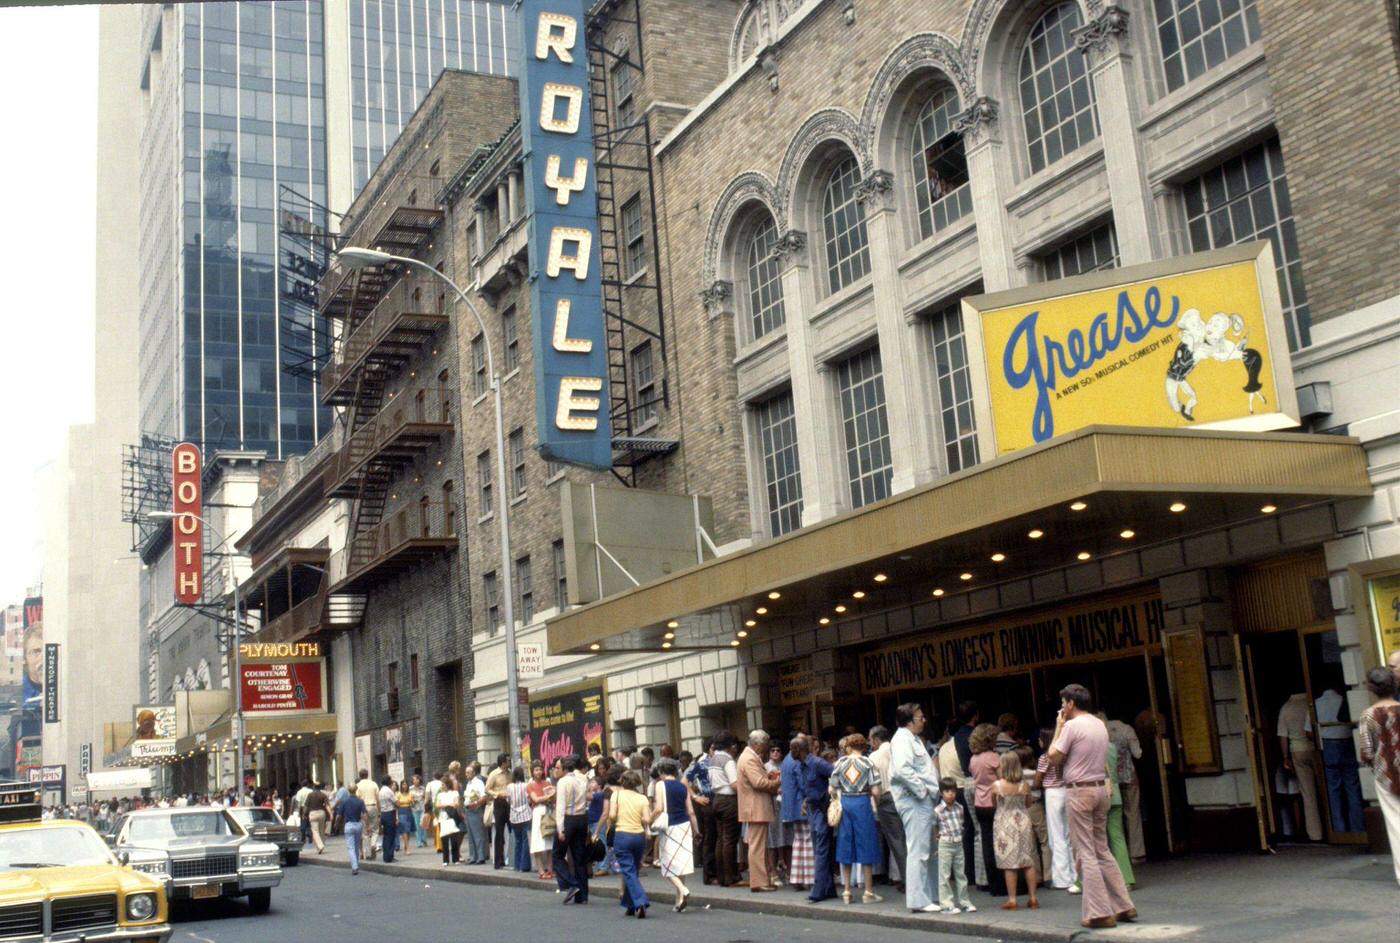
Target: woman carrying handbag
<point>448,805</point>
<point>673,822</point>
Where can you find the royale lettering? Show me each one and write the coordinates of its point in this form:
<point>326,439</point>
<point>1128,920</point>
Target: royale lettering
<point>572,416</point>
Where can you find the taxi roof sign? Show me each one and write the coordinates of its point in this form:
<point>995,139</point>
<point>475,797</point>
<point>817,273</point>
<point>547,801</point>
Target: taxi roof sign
<point>19,802</point>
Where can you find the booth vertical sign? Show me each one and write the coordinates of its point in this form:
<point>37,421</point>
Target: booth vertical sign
<point>571,367</point>
<point>187,484</point>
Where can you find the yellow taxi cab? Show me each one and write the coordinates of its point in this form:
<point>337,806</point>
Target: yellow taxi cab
<point>59,882</point>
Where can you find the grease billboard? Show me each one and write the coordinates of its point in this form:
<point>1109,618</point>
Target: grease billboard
<point>561,199</point>
<point>565,721</point>
<point>1191,342</point>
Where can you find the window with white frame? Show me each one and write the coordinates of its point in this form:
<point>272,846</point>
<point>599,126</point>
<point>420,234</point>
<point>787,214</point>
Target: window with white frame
<point>1094,251</point>
<point>484,487</point>
<point>510,337</point>
<point>1197,35</point>
<point>940,164</point>
<point>776,428</point>
<point>948,347</point>
<point>1246,198</point>
<point>1057,95</point>
<point>634,236</point>
<point>843,224</point>
<point>480,383</point>
<point>644,383</point>
<point>869,467</point>
<point>491,593</point>
<point>526,589</point>
<point>624,97</point>
<point>765,279</point>
<point>517,462</point>
<point>561,576</point>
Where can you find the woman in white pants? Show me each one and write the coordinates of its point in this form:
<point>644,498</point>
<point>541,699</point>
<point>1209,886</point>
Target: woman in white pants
<point>1047,779</point>
<point>1380,732</point>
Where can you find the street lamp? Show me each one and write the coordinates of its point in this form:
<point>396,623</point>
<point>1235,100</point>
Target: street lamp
<point>237,686</point>
<point>356,258</point>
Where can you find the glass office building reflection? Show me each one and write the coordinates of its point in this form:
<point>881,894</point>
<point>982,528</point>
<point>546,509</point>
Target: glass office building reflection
<point>238,99</point>
<point>397,49</point>
<point>254,121</point>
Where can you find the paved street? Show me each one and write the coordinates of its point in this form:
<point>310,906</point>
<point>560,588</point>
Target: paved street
<point>329,904</point>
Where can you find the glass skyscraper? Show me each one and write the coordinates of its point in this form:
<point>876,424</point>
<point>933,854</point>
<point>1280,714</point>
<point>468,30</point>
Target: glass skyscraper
<point>238,96</point>
<point>397,49</point>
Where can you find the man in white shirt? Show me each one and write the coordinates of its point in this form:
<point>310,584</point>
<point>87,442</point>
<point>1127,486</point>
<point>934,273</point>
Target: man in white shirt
<point>368,793</point>
<point>1294,730</point>
<point>299,807</point>
<point>914,782</point>
<point>571,863</point>
<point>724,772</point>
<point>474,799</point>
<point>1339,764</point>
<point>886,812</point>
<point>388,819</point>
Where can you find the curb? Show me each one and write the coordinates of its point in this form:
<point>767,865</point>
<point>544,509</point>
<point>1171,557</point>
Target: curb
<point>765,906</point>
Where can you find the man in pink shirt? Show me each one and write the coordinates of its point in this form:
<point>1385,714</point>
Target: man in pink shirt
<point>1080,748</point>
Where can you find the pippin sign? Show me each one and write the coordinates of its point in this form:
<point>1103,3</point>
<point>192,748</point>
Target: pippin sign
<point>562,200</point>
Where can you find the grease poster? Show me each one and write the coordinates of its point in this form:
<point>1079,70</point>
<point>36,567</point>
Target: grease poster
<point>1196,342</point>
<point>565,722</point>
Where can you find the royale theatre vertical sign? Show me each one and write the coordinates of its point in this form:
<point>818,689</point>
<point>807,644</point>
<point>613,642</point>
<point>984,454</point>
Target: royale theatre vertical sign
<point>562,201</point>
<point>186,483</point>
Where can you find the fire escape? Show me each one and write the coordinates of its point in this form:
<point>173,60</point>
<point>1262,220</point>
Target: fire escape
<point>387,318</point>
<point>630,306</point>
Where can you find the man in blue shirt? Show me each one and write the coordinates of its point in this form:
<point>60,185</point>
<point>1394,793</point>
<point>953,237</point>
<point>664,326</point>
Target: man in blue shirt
<point>794,774</point>
<point>702,794</point>
<point>352,807</point>
<point>816,779</point>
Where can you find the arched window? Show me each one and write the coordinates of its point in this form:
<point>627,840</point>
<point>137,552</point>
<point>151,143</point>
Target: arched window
<point>1057,96</point>
<point>940,165</point>
<point>843,223</point>
<point>764,276</point>
<point>750,35</point>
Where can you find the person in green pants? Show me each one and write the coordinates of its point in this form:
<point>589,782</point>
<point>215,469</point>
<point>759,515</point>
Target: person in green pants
<point>1117,839</point>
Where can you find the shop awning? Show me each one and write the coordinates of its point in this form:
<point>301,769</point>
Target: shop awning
<point>119,780</point>
<point>1070,500</point>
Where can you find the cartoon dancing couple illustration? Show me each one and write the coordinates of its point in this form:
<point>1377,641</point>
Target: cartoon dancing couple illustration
<point>1213,340</point>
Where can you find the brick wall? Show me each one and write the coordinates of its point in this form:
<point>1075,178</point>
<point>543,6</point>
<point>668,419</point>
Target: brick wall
<point>1335,76</point>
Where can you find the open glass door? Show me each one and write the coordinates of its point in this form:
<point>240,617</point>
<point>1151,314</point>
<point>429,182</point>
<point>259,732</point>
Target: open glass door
<point>1255,743</point>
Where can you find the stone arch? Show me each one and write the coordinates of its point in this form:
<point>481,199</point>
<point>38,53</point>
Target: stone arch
<point>989,30</point>
<point>743,190</point>
<point>754,13</point>
<point>919,53</point>
<point>825,126</point>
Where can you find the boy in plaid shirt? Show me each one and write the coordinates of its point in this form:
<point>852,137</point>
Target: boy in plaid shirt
<point>952,874</point>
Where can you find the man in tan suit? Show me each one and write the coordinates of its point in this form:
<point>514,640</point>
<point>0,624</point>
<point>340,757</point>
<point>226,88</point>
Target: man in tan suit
<point>756,788</point>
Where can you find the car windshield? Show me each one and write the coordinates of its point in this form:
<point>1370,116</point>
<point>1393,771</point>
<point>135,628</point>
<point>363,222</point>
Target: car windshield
<point>51,848</point>
<point>256,816</point>
<point>184,825</point>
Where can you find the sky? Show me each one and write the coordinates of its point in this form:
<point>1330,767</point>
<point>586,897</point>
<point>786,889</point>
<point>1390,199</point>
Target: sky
<point>48,108</point>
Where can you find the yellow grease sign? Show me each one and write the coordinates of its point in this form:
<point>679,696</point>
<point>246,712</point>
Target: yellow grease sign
<point>1105,628</point>
<point>1178,349</point>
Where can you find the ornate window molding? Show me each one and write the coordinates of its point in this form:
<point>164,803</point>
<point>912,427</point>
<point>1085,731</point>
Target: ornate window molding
<point>823,127</point>
<point>746,188</point>
<point>924,52</point>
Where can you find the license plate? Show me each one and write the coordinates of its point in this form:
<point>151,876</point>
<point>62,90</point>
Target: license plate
<point>205,891</point>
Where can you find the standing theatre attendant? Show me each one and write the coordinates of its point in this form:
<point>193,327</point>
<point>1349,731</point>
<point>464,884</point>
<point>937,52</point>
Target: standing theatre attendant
<point>1080,748</point>
<point>915,788</point>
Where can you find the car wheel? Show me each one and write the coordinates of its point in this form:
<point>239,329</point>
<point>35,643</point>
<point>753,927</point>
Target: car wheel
<point>292,858</point>
<point>260,900</point>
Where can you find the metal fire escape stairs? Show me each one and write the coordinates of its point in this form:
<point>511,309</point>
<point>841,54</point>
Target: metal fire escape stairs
<point>625,149</point>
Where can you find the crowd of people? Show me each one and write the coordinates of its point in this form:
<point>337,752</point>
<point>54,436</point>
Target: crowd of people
<point>933,809</point>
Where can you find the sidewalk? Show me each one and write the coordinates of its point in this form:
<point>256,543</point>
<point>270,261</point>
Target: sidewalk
<point>1298,895</point>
